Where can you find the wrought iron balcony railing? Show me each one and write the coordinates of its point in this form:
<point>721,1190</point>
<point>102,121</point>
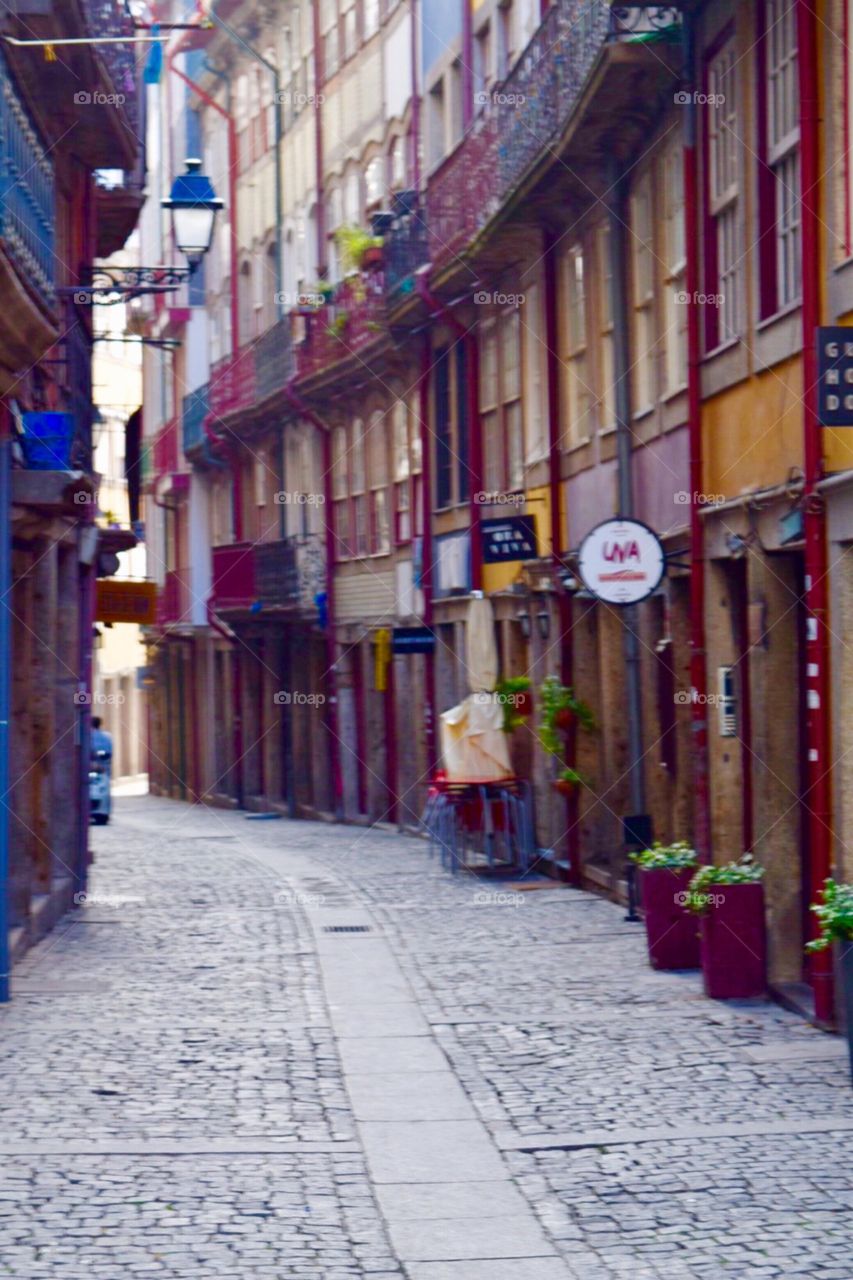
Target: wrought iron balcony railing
<point>113,18</point>
<point>291,571</point>
<point>517,123</point>
<point>196,407</point>
<point>274,362</point>
<point>343,327</point>
<point>27,210</point>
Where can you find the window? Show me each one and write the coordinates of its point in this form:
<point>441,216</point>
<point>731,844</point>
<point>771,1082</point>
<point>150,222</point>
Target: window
<point>435,118</point>
<point>779,139</point>
<point>373,181</point>
<point>534,341</point>
<point>397,163</point>
<point>500,402</point>
<point>643,283</point>
<point>340,493</point>
<point>483,73</point>
<point>329,25</point>
<point>450,415</point>
<point>507,38</point>
<point>371,17</point>
<point>357,489</point>
<point>575,362</point>
<point>606,402</point>
<point>350,25</point>
<point>377,453</point>
<point>723,321</point>
<point>675,267</point>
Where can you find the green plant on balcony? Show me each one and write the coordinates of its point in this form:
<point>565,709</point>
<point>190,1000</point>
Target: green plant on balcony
<point>358,248</point>
<point>560,709</point>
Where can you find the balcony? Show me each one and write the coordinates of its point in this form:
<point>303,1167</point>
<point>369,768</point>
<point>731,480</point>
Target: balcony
<point>90,91</point>
<point>195,408</point>
<point>283,575</point>
<point>232,382</point>
<point>274,363</point>
<point>343,327</point>
<point>291,572</point>
<point>27,216</point>
<point>165,450</point>
<point>173,602</point>
<point>525,118</point>
<point>234,576</point>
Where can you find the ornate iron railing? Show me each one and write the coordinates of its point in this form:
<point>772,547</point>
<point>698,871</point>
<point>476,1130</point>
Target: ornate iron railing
<point>343,327</point>
<point>291,571</point>
<point>520,121</point>
<point>113,18</point>
<point>195,408</point>
<point>27,209</point>
<point>274,361</point>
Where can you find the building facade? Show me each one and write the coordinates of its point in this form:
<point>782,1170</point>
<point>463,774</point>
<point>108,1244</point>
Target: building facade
<point>603,238</point>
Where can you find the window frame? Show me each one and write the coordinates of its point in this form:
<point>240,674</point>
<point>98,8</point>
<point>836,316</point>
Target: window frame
<point>723,208</point>
<point>780,237</point>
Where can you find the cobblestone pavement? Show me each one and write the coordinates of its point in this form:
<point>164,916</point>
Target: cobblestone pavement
<point>174,1102</point>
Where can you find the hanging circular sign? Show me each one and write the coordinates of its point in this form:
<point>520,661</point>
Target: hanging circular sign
<point>621,561</point>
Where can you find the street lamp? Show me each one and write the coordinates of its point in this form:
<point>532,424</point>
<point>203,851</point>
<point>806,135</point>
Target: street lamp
<point>194,205</point>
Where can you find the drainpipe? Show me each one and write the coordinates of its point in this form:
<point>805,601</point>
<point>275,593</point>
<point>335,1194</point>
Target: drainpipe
<point>276,87</point>
<point>5,692</point>
<point>217,442</point>
<point>426,552</point>
<point>564,603</point>
<point>698,663</point>
<point>617,215</point>
<point>819,812</point>
<point>319,176</point>
<point>415,128</point>
<point>304,411</point>
<point>475,441</point>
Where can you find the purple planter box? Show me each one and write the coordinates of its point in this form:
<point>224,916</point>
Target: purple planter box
<point>734,942</point>
<point>671,931</point>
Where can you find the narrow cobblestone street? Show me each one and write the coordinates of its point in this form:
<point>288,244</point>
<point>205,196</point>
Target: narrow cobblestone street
<point>457,1082</point>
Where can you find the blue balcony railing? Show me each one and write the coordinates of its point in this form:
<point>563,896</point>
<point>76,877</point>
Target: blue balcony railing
<point>27,210</point>
<point>196,407</point>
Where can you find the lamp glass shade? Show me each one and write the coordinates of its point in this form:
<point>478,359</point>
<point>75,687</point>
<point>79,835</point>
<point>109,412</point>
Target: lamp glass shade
<point>194,205</point>
<point>193,226</point>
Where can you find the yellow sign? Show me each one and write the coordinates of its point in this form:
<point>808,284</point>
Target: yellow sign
<point>382,656</point>
<point>119,600</point>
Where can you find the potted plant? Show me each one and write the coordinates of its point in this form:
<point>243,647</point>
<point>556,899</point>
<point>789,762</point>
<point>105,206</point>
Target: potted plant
<point>729,900</point>
<point>835,916</point>
<point>672,933</point>
<point>513,693</point>
<point>359,249</point>
<point>560,709</point>
<point>567,781</point>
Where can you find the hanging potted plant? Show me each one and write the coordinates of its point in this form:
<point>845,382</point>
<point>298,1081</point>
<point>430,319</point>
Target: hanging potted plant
<point>560,710</point>
<point>835,917</point>
<point>672,932</point>
<point>729,901</point>
<point>513,693</point>
<point>567,782</point>
<point>359,249</point>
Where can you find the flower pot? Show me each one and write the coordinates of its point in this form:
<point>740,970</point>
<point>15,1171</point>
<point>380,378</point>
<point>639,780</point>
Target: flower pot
<point>734,942</point>
<point>564,719</point>
<point>846,950</point>
<point>564,787</point>
<point>371,258</point>
<point>672,932</point>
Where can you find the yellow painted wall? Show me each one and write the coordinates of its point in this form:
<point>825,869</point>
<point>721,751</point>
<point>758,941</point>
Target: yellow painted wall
<point>497,577</point>
<point>753,432</point>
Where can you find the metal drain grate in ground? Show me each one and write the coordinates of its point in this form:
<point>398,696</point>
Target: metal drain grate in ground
<point>346,928</point>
